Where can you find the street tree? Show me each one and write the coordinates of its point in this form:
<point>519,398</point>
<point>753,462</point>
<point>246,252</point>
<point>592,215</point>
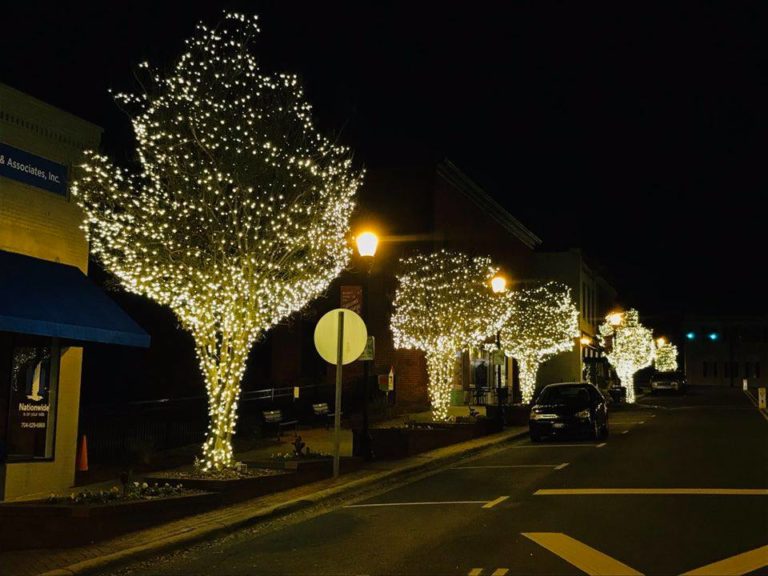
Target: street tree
<point>542,322</point>
<point>666,356</point>
<point>236,214</point>
<point>630,347</point>
<point>441,307</point>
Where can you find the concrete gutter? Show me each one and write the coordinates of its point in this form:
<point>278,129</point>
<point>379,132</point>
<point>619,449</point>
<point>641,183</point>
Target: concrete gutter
<point>250,515</point>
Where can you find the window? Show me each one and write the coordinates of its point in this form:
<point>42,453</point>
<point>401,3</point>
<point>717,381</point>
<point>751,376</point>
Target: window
<point>747,370</point>
<point>28,392</point>
<point>714,368</point>
<point>704,369</point>
<point>757,369</point>
<point>726,371</point>
<point>735,369</point>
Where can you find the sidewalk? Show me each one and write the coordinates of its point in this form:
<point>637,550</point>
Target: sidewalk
<point>186,531</point>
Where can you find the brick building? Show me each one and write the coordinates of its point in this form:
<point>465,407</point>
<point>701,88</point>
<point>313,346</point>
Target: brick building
<point>418,207</point>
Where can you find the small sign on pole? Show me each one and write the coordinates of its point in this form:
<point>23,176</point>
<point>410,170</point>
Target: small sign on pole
<point>761,398</point>
<point>370,349</point>
<point>744,384</point>
<point>296,392</point>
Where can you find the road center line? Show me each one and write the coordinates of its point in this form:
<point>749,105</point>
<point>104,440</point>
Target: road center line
<point>555,466</point>
<point>500,572</point>
<point>558,446</point>
<point>652,492</point>
<point>600,445</point>
<point>382,504</point>
<point>625,431</point>
<point>493,503</point>
<point>583,557</point>
<point>736,565</point>
<point>475,572</point>
<point>561,466</point>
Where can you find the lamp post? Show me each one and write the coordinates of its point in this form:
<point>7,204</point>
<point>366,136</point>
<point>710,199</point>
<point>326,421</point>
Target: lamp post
<point>499,286</point>
<point>367,243</point>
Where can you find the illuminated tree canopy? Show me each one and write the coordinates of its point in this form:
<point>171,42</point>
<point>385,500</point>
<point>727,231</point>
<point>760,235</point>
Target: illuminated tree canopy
<point>542,321</point>
<point>237,214</point>
<point>630,348</point>
<point>666,357</point>
<point>441,307</point>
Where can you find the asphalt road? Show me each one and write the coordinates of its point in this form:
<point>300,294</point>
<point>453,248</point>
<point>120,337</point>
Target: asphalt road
<point>692,474</point>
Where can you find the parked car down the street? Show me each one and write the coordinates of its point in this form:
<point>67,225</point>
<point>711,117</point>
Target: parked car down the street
<point>674,381</point>
<point>576,408</point>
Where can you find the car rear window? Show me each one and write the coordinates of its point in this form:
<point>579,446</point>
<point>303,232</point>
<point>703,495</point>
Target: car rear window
<point>564,394</point>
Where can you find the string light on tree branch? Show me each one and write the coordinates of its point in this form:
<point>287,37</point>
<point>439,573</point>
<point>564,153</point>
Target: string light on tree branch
<point>238,214</point>
<point>666,356</point>
<point>443,305</point>
<point>542,321</point>
<point>630,348</point>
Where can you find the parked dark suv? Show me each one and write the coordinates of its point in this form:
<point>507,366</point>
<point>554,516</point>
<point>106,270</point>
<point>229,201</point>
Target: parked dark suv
<point>569,408</point>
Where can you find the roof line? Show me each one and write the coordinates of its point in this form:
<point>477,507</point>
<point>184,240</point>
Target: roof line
<point>487,203</point>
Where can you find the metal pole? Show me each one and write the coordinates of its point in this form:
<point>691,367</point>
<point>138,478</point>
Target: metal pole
<point>498,379</point>
<point>337,409</point>
<point>364,440</point>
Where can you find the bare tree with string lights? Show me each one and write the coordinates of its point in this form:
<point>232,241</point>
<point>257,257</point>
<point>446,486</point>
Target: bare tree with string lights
<point>237,214</point>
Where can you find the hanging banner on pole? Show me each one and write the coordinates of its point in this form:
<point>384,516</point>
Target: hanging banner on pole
<point>352,298</point>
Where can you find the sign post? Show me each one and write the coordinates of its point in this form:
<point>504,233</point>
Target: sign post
<point>340,338</point>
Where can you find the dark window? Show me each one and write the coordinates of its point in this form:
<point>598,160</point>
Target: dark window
<point>757,369</point>
<point>735,369</point>
<point>714,368</point>
<point>726,370</point>
<point>30,385</point>
<point>704,369</point>
<point>747,370</point>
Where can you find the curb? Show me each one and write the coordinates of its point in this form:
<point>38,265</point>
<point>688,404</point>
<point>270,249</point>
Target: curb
<point>421,463</point>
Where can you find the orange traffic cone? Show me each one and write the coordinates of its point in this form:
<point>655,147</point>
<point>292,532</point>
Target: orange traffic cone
<point>82,455</point>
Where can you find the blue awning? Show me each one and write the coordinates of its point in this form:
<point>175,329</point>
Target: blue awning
<point>50,299</point>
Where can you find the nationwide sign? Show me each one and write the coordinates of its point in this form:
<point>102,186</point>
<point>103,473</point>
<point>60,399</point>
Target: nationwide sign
<point>33,170</point>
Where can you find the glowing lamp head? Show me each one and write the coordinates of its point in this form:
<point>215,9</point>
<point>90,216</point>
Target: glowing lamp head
<point>691,335</point>
<point>585,340</point>
<point>499,284</point>
<point>367,242</point>
<point>615,318</point>
<point>714,336</point>
<point>661,341</point>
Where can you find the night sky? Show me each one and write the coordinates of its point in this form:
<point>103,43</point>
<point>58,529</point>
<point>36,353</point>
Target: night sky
<point>634,133</point>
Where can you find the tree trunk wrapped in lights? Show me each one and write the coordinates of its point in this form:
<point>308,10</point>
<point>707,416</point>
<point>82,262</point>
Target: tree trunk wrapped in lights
<point>542,322</point>
<point>443,306</point>
<point>666,357</point>
<point>631,347</point>
<point>238,214</point>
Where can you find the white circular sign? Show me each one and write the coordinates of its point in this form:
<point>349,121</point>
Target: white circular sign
<point>354,337</point>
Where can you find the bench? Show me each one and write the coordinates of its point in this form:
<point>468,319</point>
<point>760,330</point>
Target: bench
<point>277,419</point>
<point>321,410</point>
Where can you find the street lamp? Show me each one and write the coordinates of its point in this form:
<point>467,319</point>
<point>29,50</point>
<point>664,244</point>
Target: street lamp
<point>367,243</point>
<point>661,341</point>
<point>615,318</point>
<point>585,341</point>
<point>499,286</point>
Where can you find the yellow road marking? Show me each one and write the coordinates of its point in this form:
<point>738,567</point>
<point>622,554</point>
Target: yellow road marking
<point>383,504</point>
<point>493,503</point>
<point>735,565</point>
<point>500,571</point>
<point>585,558</point>
<point>653,491</point>
<point>475,572</point>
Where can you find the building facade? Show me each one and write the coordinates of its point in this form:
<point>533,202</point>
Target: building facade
<point>725,350</point>
<point>48,308</point>
<point>595,298</point>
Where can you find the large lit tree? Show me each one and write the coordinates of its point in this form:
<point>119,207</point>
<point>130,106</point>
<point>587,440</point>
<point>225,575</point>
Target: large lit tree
<point>237,214</point>
<point>542,321</point>
<point>666,356</point>
<point>441,307</point>
<point>630,348</point>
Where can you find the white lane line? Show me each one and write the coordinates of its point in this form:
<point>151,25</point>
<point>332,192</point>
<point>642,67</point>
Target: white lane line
<point>498,500</point>
<point>561,466</point>
<point>382,504</point>
<point>601,445</point>
<point>625,431</point>
<point>555,466</point>
<point>652,491</point>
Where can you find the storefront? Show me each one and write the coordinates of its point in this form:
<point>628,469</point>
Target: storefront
<point>48,306</point>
